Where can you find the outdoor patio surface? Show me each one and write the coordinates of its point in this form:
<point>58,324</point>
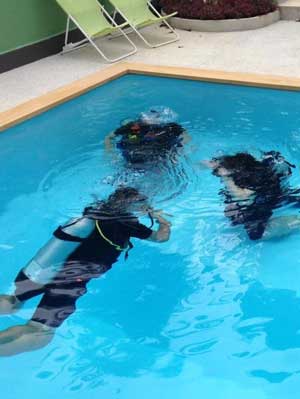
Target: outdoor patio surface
<point>272,50</point>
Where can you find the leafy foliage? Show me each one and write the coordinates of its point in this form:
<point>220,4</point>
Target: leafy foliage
<point>218,9</point>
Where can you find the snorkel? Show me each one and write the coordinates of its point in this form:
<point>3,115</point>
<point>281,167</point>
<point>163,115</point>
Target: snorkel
<point>151,219</point>
<point>145,209</point>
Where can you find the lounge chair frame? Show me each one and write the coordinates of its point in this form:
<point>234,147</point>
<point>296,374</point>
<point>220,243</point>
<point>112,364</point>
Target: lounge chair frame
<point>135,29</point>
<point>90,40</point>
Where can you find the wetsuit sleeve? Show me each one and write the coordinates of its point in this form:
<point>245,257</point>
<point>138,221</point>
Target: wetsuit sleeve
<point>137,229</point>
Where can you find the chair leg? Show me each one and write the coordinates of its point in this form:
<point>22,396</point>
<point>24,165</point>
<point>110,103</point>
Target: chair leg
<point>143,38</point>
<point>117,58</point>
<point>71,46</point>
<point>154,10</point>
<point>67,31</point>
<point>121,31</point>
<point>127,31</point>
<point>154,45</point>
<point>74,46</point>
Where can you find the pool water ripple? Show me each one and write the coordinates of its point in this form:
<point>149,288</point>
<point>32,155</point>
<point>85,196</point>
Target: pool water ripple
<point>209,312</point>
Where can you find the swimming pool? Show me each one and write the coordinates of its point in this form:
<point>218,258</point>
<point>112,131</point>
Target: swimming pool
<point>207,313</point>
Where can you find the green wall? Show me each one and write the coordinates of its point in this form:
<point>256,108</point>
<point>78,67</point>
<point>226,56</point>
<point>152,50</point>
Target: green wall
<point>24,22</point>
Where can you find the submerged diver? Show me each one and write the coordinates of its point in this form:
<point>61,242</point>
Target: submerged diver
<point>83,249</point>
<point>253,189</point>
<point>152,137</point>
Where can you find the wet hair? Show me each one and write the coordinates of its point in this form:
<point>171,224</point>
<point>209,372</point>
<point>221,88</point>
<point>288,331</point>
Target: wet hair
<point>117,203</point>
<point>142,142</point>
<point>123,197</point>
<point>246,171</point>
<point>240,161</point>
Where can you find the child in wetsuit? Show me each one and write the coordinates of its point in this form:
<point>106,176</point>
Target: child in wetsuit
<point>148,139</point>
<point>254,188</point>
<point>79,251</point>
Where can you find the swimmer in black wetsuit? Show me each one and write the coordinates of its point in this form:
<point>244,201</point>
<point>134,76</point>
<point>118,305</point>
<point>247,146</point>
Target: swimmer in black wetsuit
<point>253,189</point>
<point>148,140</point>
<point>81,250</point>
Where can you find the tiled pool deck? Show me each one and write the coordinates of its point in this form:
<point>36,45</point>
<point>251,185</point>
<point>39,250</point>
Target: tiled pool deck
<point>272,50</point>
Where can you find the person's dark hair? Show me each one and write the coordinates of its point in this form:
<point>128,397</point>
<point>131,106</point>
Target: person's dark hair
<point>123,197</point>
<point>246,171</point>
<point>144,142</point>
<point>240,161</point>
<point>116,204</point>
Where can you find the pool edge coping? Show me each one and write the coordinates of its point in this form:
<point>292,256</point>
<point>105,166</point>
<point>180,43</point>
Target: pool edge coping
<point>72,90</point>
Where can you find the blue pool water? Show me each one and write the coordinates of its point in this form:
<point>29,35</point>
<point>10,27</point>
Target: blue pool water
<point>209,313</point>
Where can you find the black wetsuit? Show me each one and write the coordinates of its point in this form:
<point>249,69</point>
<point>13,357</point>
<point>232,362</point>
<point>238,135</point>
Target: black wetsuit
<point>270,192</point>
<point>93,257</point>
<point>141,142</point>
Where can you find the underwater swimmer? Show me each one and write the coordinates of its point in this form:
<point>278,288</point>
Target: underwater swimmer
<point>154,136</point>
<point>253,189</point>
<point>79,251</point>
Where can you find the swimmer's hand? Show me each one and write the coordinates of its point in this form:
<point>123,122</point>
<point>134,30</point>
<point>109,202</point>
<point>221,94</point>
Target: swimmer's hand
<point>186,138</point>
<point>164,231</point>
<point>159,214</point>
<point>109,142</point>
<point>206,164</point>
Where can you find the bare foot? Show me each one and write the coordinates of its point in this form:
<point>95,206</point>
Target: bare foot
<point>9,304</point>
<point>281,226</point>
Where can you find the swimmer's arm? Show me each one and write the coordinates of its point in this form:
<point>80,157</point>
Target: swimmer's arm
<point>108,141</point>
<point>236,191</point>
<point>186,138</point>
<point>164,229</point>
<point>206,164</point>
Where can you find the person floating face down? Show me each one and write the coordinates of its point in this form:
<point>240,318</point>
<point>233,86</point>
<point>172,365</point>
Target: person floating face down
<point>82,249</point>
<point>254,188</point>
<point>150,139</point>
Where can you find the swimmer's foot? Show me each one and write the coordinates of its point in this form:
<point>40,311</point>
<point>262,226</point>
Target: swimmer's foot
<point>282,226</point>
<point>9,304</point>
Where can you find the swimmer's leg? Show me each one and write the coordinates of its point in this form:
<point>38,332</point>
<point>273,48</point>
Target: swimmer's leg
<point>281,226</point>
<point>25,338</point>
<point>57,303</point>
<point>24,289</point>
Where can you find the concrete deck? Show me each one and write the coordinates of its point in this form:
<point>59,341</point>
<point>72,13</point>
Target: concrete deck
<point>289,10</point>
<point>272,50</point>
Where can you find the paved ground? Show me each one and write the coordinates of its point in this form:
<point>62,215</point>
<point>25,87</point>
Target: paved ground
<point>290,9</point>
<point>272,50</point>
<point>290,3</point>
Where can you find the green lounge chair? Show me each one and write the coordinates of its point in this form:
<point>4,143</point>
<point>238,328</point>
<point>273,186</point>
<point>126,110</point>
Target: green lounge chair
<point>92,20</point>
<point>138,15</point>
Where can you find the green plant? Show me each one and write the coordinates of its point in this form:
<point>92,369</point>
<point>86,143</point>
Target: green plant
<point>218,9</point>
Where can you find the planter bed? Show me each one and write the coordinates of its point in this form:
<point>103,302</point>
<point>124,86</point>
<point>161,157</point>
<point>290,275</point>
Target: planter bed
<point>225,25</point>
